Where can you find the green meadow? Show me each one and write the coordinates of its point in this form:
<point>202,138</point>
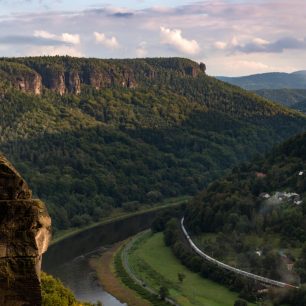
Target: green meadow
<point>156,266</point>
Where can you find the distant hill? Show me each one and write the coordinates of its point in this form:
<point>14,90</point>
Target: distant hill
<point>300,106</point>
<point>90,134</point>
<point>288,97</point>
<point>274,80</point>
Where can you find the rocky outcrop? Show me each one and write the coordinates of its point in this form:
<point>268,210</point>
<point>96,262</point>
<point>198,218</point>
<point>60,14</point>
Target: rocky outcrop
<point>203,67</point>
<point>21,77</point>
<point>30,83</point>
<point>195,70</point>
<point>24,236</point>
<point>73,82</point>
<point>106,78</point>
<point>64,75</point>
<point>54,78</point>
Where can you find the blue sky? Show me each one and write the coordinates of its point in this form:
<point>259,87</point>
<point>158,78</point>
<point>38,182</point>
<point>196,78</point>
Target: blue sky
<point>233,37</point>
<point>13,6</point>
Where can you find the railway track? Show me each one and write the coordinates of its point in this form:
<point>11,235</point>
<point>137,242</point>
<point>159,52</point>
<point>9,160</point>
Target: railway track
<point>218,263</point>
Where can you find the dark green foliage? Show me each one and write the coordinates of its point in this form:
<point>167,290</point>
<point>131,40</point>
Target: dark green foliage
<point>181,276</point>
<point>289,97</point>
<point>233,202</point>
<point>160,222</point>
<point>163,293</point>
<point>241,303</point>
<point>301,264</point>
<point>283,297</point>
<point>171,135</point>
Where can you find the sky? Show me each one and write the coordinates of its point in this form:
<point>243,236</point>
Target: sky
<point>232,37</point>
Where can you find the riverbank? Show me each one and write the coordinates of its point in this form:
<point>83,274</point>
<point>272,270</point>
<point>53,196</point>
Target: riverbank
<point>105,269</point>
<point>156,266</point>
<point>85,240</point>
<point>120,214</point>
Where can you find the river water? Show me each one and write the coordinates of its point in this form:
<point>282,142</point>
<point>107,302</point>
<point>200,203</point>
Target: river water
<point>69,258</point>
<point>82,279</point>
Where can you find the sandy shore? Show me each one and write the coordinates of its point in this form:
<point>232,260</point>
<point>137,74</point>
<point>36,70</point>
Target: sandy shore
<point>104,266</point>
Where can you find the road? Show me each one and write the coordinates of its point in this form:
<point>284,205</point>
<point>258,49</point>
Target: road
<point>131,273</point>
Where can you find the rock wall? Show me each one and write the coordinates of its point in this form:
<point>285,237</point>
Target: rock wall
<point>66,75</point>
<point>21,77</point>
<point>25,232</point>
<point>29,83</point>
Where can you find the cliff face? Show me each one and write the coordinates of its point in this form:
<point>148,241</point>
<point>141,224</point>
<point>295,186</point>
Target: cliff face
<point>21,77</point>
<point>24,237</point>
<point>65,75</point>
<point>105,78</point>
<point>73,82</point>
<point>30,83</point>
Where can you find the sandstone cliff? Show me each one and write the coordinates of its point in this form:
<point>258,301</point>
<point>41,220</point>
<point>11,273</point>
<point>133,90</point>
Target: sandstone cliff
<point>21,77</point>
<point>64,75</point>
<point>24,237</point>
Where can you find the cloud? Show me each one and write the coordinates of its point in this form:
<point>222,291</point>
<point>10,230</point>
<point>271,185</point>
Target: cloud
<point>109,42</point>
<point>278,46</point>
<point>123,14</point>
<point>221,45</point>
<point>45,43</point>
<point>260,45</point>
<point>141,50</point>
<point>249,65</point>
<point>175,39</point>
<point>257,32</point>
<point>73,39</point>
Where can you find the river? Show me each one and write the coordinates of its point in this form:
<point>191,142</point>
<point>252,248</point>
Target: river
<point>69,258</point>
<point>82,279</point>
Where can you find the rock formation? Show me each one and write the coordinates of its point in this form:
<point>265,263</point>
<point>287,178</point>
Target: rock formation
<point>64,75</point>
<point>25,231</point>
<point>54,78</point>
<point>21,77</point>
<point>30,83</point>
<point>203,67</point>
<point>73,82</point>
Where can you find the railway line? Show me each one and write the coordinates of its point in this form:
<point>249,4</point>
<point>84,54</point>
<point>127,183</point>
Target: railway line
<point>256,277</point>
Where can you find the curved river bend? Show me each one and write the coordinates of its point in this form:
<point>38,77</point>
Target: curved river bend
<point>69,258</point>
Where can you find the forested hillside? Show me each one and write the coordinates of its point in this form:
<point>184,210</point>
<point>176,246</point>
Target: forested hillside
<point>271,80</point>
<point>288,97</point>
<point>284,88</point>
<point>237,200</point>
<point>90,135</point>
<point>262,205</point>
<point>252,219</point>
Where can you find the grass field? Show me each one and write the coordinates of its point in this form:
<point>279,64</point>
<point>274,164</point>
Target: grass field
<point>155,264</point>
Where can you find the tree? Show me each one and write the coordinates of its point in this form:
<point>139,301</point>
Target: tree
<point>163,292</point>
<point>181,276</point>
<point>240,303</point>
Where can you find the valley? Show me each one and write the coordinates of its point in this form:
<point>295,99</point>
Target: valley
<point>136,137</point>
<point>112,145</point>
<point>152,153</point>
